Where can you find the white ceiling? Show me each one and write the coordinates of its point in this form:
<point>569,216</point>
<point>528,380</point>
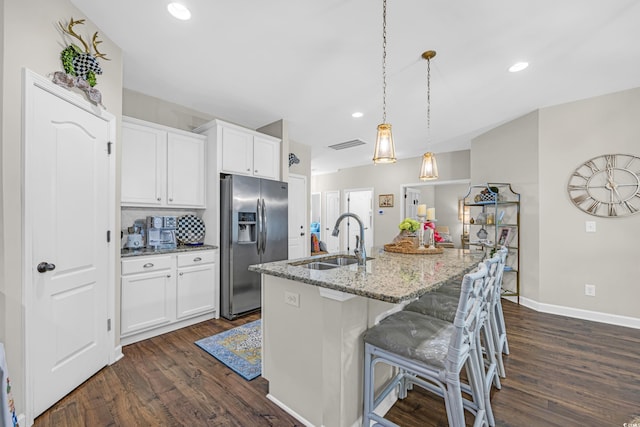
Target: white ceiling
<point>313,63</point>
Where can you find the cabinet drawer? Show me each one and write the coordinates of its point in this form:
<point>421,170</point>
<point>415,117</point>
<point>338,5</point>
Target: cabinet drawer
<point>146,264</point>
<point>196,258</point>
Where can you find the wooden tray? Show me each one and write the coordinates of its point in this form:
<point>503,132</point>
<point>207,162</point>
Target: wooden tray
<point>390,247</point>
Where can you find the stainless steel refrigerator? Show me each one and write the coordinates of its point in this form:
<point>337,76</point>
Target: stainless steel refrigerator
<point>253,230</point>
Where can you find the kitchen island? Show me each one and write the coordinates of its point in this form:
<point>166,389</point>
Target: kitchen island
<point>313,320</point>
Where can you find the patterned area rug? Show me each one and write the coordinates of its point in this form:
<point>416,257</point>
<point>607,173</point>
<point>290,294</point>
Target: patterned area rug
<point>239,348</point>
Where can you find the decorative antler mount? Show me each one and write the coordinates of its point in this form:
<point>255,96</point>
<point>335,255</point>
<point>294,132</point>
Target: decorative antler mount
<point>94,40</point>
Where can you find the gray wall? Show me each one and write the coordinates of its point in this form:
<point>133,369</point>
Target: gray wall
<point>538,153</point>
<point>35,43</point>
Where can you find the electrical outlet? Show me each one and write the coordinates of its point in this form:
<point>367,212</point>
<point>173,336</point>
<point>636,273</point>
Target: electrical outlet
<point>292,298</point>
<point>590,290</point>
<point>590,226</point>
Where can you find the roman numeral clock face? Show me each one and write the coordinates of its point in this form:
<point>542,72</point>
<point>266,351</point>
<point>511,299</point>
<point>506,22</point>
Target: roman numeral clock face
<point>607,185</point>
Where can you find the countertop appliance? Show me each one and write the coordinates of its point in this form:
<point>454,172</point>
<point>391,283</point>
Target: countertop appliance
<point>253,230</point>
<point>161,232</point>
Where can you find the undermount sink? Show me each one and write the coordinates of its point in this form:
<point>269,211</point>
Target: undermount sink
<point>327,263</point>
<point>318,265</point>
<point>342,260</point>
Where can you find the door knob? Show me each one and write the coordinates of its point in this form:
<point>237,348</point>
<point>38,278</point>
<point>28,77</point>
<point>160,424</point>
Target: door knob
<point>302,234</point>
<point>45,266</point>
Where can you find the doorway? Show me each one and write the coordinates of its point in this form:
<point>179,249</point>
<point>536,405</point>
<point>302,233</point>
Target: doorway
<point>444,197</point>
<point>331,214</point>
<point>298,218</point>
<point>359,202</point>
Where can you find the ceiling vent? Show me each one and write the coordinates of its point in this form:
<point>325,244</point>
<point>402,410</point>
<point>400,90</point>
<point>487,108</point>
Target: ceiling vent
<point>348,144</point>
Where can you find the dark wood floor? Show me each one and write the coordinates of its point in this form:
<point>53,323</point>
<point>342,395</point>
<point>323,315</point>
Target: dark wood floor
<point>561,372</point>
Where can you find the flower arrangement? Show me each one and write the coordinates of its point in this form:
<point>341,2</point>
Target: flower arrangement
<point>410,225</point>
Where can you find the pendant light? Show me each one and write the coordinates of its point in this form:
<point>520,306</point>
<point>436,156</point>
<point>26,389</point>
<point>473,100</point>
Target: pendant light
<point>429,168</point>
<point>385,151</point>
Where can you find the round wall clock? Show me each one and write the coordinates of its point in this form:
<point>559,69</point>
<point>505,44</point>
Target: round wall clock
<point>607,185</point>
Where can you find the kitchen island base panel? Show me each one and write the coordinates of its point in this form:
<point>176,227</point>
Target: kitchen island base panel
<point>313,351</point>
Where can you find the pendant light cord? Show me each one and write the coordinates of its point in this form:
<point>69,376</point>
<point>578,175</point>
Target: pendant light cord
<point>384,61</point>
<point>428,103</point>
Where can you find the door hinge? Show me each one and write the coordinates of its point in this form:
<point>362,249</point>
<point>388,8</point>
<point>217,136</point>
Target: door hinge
<point>108,325</point>
<point>108,236</point>
<point>109,147</point>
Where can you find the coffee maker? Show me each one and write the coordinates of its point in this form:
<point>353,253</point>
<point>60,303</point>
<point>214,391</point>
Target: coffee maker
<point>161,232</point>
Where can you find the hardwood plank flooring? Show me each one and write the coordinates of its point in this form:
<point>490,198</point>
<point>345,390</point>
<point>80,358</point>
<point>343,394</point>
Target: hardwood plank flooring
<point>561,372</point>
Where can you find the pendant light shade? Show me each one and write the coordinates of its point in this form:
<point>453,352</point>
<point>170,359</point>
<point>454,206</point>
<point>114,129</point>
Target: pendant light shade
<point>385,151</point>
<point>429,168</point>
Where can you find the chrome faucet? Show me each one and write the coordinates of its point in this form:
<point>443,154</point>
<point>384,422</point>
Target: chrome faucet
<point>360,251</point>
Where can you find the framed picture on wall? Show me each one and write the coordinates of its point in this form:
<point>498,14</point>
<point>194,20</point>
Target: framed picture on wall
<point>385,200</point>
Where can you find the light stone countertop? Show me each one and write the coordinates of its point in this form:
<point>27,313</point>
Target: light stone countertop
<point>388,276</point>
<point>126,253</point>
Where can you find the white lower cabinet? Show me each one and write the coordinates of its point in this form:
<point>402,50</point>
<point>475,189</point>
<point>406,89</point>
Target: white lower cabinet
<point>161,293</point>
<point>196,271</point>
<point>146,301</point>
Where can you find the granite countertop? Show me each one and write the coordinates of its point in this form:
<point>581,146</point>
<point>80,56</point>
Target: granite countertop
<point>390,277</point>
<point>125,252</point>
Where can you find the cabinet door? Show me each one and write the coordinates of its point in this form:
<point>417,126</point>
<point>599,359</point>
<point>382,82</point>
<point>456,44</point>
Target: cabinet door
<point>147,301</point>
<point>266,158</point>
<point>143,165</point>
<point>185,170</point>
<point>237,151</point>
<point>195,292</point>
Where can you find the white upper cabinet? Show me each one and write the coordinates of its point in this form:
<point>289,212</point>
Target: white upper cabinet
<point>185,170</point>
<point>242,151</point>
<point>266,158</point>
<point>144,154</point>
<point>237,151</point>
<point>162,167</point>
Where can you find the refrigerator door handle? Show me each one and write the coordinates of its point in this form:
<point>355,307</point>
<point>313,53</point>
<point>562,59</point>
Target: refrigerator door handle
<point>264,227</point>
<point>259,227</point>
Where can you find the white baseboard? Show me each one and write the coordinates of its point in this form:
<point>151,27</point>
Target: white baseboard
<point>381,409</point>
<point>117,354</point>
<point>594,316</point>
<point>290,411</point>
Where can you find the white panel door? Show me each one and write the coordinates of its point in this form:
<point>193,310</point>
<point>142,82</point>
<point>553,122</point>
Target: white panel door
<point>331,214</point>
<point>67,218</point>
<point>298,217</point>
<point>359,202</point>
<point>411,202</point>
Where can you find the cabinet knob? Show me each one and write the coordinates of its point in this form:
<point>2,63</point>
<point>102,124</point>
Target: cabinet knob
<point>148,265</point>
<point>248,170</point>
<point>255,171</point>
<point>197,259</point>
<point>181,273</point>
<point>168,276</point>
<point>171,199</point>
<point>159,198</point>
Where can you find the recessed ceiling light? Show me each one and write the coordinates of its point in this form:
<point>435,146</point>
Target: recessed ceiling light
<point>357,115</point>
<point>518,66</point>
<point>179,11</point>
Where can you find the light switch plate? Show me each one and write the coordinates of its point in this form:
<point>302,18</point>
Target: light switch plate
<point>590,226</point>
